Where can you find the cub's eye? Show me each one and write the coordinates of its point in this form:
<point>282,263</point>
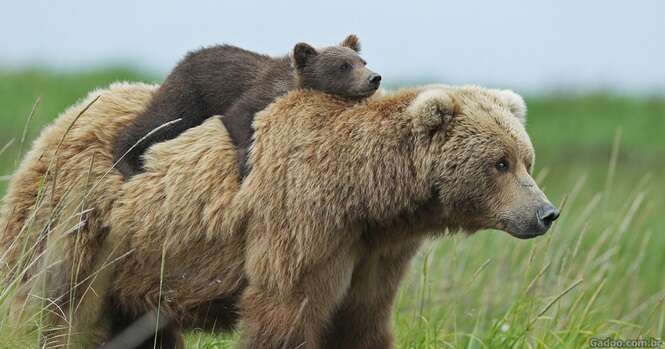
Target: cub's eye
<point>364,62</point>
<point>502,166</point>
<point>345,66</point>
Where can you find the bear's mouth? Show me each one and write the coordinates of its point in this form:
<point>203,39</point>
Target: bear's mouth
<point>523,230</point>
<point>526,236</point>
<point>366,93</point>
<point>363,93</point>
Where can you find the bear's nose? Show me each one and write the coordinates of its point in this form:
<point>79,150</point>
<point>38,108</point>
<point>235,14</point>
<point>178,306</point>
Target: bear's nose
<point>547,214</point>
<point>375,80</point>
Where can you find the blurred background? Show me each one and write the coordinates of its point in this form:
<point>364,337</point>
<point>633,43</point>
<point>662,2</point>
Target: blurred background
<point>530,46</point>
<point>593,75</point>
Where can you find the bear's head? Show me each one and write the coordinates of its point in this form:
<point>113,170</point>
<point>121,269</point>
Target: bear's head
<point>337,70</point>
<point>481,159</point>
<point>413,161</point>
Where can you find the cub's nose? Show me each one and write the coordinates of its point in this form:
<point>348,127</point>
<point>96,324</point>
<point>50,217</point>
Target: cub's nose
<point>547,214</point>
<point>375,80</point>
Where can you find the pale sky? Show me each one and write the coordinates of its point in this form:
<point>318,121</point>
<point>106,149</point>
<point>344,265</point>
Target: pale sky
<point>527,45</point>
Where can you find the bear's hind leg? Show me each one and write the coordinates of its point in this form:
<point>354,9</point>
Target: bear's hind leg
<point>155,125</point>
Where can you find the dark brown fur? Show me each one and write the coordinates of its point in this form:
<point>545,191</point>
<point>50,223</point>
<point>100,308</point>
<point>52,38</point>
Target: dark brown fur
<point>230,81</point>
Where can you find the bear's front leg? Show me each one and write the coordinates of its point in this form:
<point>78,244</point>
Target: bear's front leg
<point>295,317</point>
<point>362,321</point>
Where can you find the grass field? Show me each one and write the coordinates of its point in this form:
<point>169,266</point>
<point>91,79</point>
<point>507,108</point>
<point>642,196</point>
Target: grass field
<point>598,273</point>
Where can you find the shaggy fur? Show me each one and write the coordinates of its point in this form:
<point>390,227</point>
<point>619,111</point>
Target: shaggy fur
<point>57,208</point>
<point>309,251</point>
<point>230,81</point>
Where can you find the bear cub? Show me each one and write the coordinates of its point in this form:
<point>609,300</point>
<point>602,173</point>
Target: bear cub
<point>236,83</point>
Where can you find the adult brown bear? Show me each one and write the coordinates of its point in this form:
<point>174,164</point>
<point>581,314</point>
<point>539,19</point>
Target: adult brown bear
<point>308,251</point>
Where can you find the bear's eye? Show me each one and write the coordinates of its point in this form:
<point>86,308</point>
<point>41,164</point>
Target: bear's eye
<point>502,165</point>
<point>345,66</point>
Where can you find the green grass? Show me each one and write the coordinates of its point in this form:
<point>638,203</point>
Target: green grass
<point>598,273</point>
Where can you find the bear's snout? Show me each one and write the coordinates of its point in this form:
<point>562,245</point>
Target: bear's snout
<point>374,80</point>
<point>531,214</point>
<point>547,214</point>
<point>536,223</point>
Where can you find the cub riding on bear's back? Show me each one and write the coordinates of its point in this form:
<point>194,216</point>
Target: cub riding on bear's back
<point>236,83</point>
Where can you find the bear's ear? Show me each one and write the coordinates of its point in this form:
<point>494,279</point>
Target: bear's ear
<point>431,109</point>
<point>351,42</point>
<point>302,53</point>
<point>515,103</point>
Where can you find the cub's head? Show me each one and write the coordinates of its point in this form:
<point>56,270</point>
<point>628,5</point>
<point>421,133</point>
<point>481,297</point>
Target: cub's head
<point>337,70</point>
<point>480,160</point>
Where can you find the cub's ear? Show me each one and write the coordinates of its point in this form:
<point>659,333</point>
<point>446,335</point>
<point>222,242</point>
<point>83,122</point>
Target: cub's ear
<point>302,53</point>
<point>351,42</point>
<point>515,103</point>
<point>431,109</point>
